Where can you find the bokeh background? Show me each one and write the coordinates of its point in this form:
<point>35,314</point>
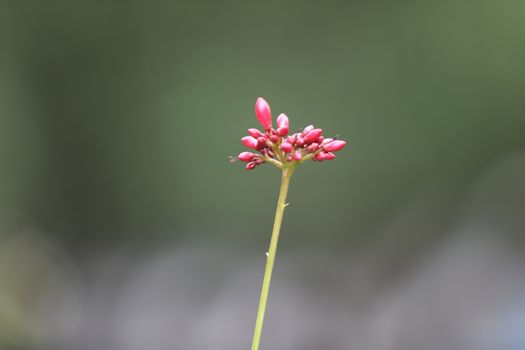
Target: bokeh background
<point>123,226</point>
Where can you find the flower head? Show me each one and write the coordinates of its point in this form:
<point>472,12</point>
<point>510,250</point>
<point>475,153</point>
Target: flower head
<point>278,147</point>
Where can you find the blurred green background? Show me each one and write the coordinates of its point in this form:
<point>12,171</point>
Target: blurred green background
<point>117,120</point>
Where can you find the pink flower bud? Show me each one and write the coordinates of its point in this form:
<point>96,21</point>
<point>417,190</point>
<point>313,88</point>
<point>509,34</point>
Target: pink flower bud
<point>282,121</point>
<point>282,125</point>
<point>329,156</point>
<point>327,140</point>
<point>286,147</point>
<point>246,156</point>
<point>251,166</point>
<point>263,113</point>
<point>320,156</point>
<point>274,138</point>
<point>308,129</point>
<point>262,141</point>
<point>250,142</point>
<point>291,139</point>
<point>282,131</point>
<point>324,156</point>
<point>334,146</point>
<point>255,133</point>
<point>313,147</point>
<point>297,155</point>
<point>299,141</point>
<point>312,135</point>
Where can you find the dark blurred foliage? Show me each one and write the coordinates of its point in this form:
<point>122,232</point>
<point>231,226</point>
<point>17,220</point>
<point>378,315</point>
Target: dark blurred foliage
<point>120,117</point>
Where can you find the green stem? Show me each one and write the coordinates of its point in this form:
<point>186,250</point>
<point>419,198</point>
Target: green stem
<point>281,204</point>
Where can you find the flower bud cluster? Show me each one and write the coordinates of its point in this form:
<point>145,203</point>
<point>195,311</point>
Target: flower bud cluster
<point>277,146</point>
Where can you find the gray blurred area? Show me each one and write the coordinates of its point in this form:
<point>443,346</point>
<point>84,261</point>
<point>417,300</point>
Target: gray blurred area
<point>124,227</point>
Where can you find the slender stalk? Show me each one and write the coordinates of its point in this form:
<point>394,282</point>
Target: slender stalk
<point>281,204</point>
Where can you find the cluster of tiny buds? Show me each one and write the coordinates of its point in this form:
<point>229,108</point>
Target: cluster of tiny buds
<point>278,147</point>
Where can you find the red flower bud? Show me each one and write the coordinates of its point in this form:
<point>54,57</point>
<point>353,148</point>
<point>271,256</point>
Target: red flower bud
<point>246,156</point>
<point>251,166</point>
<point>327,140</point>
<point>324,156</point>
<point>282,121</point>
<point>308,129</point>
<point>334,146</point>
<point>291,139</point>
<point>313,147</point>
<point>250,142</point>
<point>312,135</point>
<point>297,155</point>
<point>262,141</point>
<point>282,131</point>
<point>329,156</point>
<point>320,156</point>
<point>286,147</point>
<point>282,124</point>
<point>255,133</point>
<point>263,113</point>
<point>299,141</point>
<point>274,138</point>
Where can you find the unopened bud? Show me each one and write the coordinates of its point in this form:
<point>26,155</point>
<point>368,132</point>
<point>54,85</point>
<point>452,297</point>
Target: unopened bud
<point>297,155</point>
<point>250,166</point>
<point>245,156</point>
<point>329,156</point>
<point>308,129</point>
<point>282,124</point>
<point>255,133</point>
<point>320,156</point>
<point>313,147</point>
<point>262,141</point>
<point>250,142</point>
<point>263,113</point>
<point>282,131</point>
<point>324,156</point>
<point>312,135</point>
<point>334,146</point>
<point>286,147</point>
